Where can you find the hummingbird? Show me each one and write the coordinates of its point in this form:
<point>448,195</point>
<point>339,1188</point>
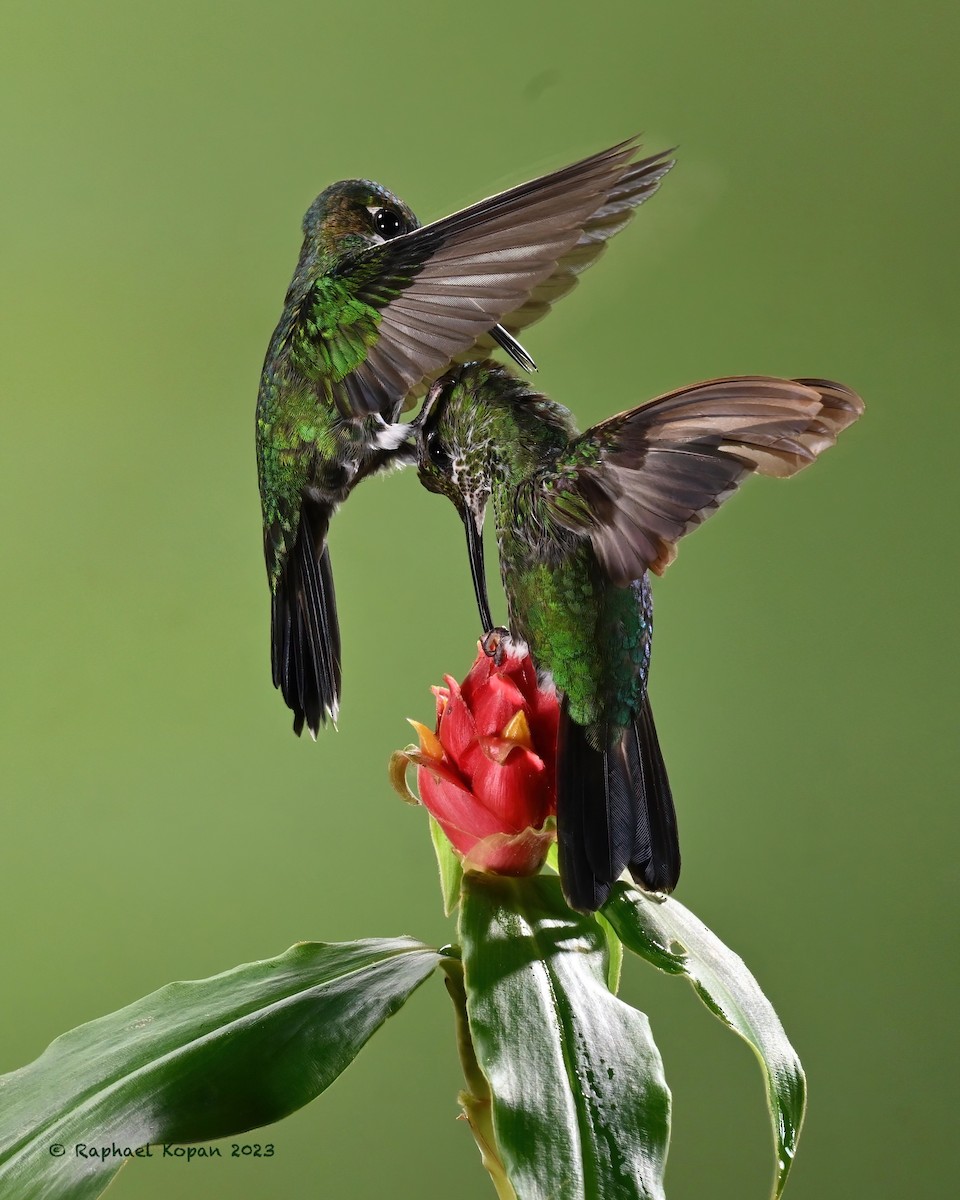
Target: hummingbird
<point>581,521</point>
<point>378,306</point>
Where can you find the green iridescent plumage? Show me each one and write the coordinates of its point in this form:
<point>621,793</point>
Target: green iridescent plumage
<point>580,520</point>
<point>512,445</point>
<point>379,305</point>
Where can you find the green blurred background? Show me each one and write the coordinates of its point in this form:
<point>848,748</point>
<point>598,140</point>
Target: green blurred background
<point>159,819</point>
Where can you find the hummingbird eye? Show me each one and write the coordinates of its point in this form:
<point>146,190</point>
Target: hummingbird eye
<point>387,223</point>
<point>439,457</point>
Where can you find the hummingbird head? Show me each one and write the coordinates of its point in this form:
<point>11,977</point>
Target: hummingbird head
<point>457,455</point>
<point>352,215</point>
<point>454,445</point>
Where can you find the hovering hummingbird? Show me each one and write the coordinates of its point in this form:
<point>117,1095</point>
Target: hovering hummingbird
<point>581,519</point>
<point>379,305</point>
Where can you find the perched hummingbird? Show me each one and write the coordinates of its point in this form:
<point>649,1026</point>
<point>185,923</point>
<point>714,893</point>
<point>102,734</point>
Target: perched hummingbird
<point>581,520</point>
<point>379,305</point>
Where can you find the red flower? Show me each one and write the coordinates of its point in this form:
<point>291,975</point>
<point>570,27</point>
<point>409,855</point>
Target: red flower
<point>488,774</point>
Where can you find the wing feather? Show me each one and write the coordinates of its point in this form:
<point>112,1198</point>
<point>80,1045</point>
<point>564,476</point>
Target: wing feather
<point>635,186</point>
<point>636,483</point>
<point>438,290</point>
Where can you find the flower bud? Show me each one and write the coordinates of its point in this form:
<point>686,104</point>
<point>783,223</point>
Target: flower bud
<point>488,773</point>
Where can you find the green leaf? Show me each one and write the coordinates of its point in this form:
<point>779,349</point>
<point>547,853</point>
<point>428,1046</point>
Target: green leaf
<point>614,949</point>
<point>451,869</point>
<point>614,945</point>
<point>580,1106</point>
<point>670,937</point>
<point>198,1060</point>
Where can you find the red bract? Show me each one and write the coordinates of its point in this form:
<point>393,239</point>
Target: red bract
<point>488,774</point>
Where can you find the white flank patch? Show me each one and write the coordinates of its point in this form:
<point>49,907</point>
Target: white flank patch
<point>391,436</point>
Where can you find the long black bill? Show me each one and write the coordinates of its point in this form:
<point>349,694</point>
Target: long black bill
<point>506,341</point>
<point>477,570</point>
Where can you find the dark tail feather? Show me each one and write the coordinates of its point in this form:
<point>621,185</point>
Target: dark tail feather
<point>580,809</point>
<point>306,633</point>
<point>655,861</point>
<point>614,810</point>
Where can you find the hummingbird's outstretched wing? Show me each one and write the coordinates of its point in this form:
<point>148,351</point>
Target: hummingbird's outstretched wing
<point>634,187</point>
<point>636,483</point>
<point>370,331</point>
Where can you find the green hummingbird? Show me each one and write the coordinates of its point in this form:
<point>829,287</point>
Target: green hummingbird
<point>581,519</point>
<point>377,307</point>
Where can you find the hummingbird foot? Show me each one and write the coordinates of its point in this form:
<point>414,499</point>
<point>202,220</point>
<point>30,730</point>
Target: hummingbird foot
<point>499,645</point>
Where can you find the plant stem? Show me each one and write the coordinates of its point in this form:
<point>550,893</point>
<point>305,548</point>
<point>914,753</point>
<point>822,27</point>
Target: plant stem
<point>475,1099</point>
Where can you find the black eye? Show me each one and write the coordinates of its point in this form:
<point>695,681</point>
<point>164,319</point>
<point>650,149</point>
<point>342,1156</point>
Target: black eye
<point>387,223</point>
<point>438,455</point>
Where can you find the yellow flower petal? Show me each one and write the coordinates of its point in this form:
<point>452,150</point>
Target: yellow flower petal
<point>429,742</point>
<point>517,730</point>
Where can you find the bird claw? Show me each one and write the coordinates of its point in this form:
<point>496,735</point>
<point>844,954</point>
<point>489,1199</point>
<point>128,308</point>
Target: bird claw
<point>496,644</point>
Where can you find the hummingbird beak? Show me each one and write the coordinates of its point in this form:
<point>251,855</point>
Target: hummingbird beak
<point>474,530</point>
<point>506,341</point>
